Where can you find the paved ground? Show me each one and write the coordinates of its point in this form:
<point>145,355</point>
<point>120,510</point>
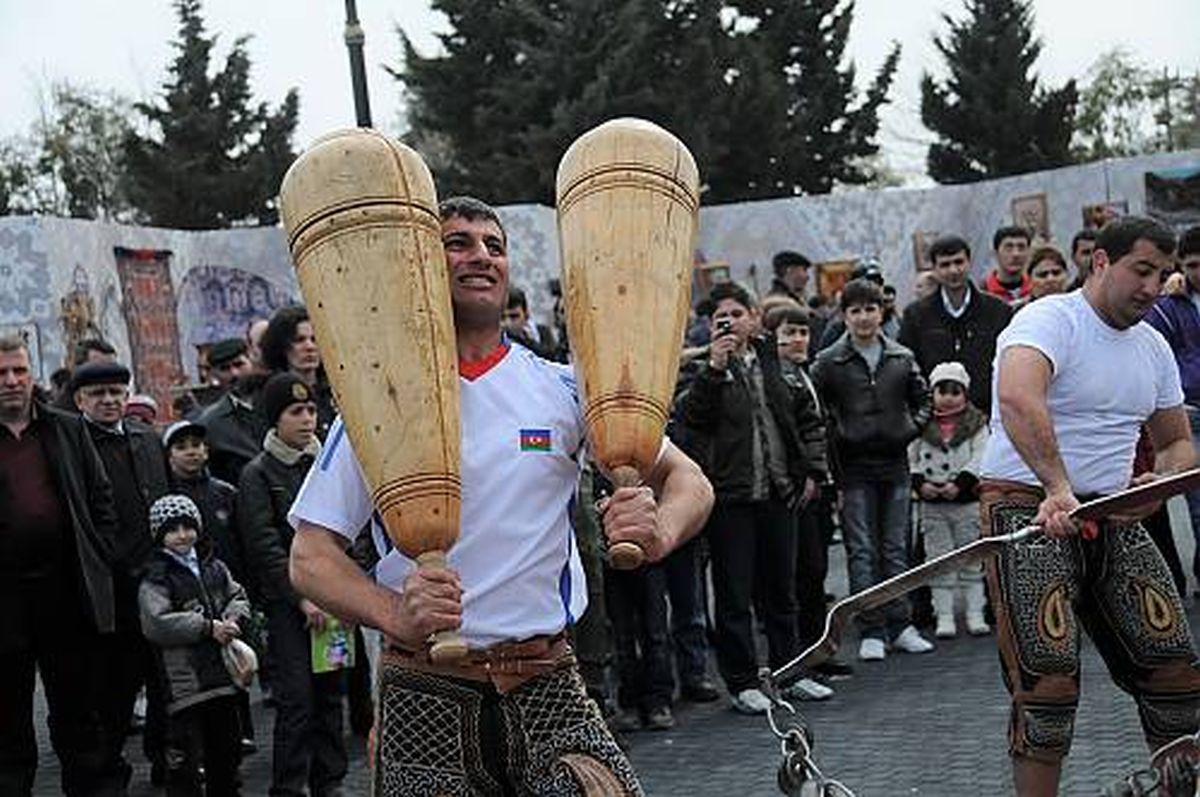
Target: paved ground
<point>930,725</point>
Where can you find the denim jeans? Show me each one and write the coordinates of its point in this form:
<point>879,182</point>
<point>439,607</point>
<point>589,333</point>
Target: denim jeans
<point>875,530</point>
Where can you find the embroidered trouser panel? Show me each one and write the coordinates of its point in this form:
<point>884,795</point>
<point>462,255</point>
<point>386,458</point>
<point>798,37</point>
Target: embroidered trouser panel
<point>1120,590</point>
<point>456,737</point>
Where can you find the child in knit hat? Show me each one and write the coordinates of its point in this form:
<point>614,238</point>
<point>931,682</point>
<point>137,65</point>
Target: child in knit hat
<point>190,609</point>
<point>944,463</point>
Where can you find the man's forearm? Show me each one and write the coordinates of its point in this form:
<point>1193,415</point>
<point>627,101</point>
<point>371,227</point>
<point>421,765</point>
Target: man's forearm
<point>684,502</point>
<point>322,572</point>
<point>1175,458</point>
<point>1031,431</point>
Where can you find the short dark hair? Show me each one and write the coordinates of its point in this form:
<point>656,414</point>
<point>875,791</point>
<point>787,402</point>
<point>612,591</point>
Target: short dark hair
<point>277,337</point>
<point>948,245</point>
<point>79,354</point>
<point>516,298</point>
<point>1189,243</point>
<point>861,291</point>
<point>1082,235</point>
<point>787,314</point>
<point>1010,231</point>
<point>731,290</point>
<point>1119,235</point>
<point>471,209</point>
<point>786,259</point>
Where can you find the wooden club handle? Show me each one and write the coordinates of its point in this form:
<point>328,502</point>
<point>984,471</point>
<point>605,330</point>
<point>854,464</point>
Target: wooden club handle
<point>447,646</point>
<point>625,555</point>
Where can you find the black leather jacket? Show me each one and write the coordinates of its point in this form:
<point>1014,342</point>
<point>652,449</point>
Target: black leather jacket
<point>873,417</point>
<point>714,416</point>
<point>234,435</point>
<point>265,495</point>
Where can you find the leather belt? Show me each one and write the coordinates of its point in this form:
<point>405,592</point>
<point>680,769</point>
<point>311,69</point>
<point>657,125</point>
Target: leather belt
<point>506,665</point>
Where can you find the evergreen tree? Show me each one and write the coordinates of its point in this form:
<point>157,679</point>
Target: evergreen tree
<point>215,158</point>
<point>520,79</point>
<point>826,134</point>
<point>991,116</point>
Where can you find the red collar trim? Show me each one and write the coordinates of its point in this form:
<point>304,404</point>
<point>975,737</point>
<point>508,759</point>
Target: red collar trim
<point>476,368</point>
<point>994,286</point>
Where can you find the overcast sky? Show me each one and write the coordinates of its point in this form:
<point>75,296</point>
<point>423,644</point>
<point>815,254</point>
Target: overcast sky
<point>124,46</point>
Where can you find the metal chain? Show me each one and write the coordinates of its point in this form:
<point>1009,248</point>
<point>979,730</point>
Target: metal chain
<point>798,774</point>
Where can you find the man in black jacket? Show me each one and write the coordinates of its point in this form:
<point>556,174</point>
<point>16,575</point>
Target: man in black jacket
<point>742,421</point>
<point>958,322</point>
<point>55,584</point>
<point>136,467</point>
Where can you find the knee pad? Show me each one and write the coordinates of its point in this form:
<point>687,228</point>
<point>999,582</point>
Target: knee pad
<point>1043,731</point>
<point>1167,717</point>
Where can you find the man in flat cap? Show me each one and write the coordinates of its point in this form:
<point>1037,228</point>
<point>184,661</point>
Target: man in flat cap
<point>134,461</point>
<point>228,360</point>
<point>235,427</point>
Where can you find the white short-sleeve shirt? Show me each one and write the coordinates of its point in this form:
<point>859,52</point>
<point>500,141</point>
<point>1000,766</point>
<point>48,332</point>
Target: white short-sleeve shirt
<point>1104,385</point>
<point>522,431</point>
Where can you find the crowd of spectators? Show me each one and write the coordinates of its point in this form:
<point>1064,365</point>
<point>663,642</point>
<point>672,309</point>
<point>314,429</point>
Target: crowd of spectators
<point>133,551</point>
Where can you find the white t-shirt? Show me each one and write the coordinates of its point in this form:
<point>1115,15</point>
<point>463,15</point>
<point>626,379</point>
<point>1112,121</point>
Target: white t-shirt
<point>1105,383</point>
<point>522,431</point>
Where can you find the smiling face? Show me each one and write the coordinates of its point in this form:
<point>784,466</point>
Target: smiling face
<point>477,263</point>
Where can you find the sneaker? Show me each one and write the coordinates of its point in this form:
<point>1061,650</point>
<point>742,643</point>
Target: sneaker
<point>946,627</point>
<point>871,649</point>
<point>660,719</point>
<point>750,701</point>
<point>976,625</point>
<point>700,690</point>
<point>809,689</point>
<point>911,641</point>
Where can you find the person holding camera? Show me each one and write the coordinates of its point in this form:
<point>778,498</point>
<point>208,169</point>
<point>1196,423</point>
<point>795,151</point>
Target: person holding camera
<point>743,425</point>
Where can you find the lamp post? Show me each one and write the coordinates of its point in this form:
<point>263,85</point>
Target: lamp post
<point>358,74</point>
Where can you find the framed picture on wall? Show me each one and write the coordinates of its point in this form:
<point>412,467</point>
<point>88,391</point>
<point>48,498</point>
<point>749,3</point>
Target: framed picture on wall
<point>832,275</point>
<point>1096,216</point>
<point>1033,213</point>
<point>922,240</point>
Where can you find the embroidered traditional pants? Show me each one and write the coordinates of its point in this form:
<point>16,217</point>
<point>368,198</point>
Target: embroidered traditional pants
<point>1119,589</point>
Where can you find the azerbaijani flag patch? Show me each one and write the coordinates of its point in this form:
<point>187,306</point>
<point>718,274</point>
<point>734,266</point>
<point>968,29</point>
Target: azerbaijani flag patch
<point>535,439</point>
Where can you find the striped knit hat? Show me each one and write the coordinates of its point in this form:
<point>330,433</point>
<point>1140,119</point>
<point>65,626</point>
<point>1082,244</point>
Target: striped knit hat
<point>171,510</point>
